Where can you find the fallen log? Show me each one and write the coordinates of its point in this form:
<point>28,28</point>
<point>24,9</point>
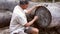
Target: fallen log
<point>44,17</point>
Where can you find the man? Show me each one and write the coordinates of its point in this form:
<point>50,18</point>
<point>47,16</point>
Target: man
<point>19,22</point>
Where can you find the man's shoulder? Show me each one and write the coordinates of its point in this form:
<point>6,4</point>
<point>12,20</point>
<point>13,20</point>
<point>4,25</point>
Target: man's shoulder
<point>17,6</point>
<point>17,9</point>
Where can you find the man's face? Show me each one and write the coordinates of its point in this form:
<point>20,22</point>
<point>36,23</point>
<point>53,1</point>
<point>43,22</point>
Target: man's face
<point>24,6</point>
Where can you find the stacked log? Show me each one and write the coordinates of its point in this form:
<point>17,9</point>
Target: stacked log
<point>5,18</point>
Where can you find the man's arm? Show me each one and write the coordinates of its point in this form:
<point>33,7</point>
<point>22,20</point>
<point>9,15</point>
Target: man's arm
<point>31,22</point>
<point>30,10</point>
<point>23,21</point>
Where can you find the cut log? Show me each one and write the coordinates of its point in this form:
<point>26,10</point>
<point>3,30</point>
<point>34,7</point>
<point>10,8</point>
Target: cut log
<point>44,17</point>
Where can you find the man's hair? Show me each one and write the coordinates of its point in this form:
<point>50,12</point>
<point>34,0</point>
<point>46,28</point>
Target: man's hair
<point>22,2</point>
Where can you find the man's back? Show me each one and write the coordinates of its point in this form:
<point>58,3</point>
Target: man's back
<point>18,19</point>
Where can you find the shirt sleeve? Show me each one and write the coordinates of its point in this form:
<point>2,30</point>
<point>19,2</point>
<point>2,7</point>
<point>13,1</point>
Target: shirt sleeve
<point>25,10</point>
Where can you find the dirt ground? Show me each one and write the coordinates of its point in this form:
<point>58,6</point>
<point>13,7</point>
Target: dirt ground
<point>4,30</point>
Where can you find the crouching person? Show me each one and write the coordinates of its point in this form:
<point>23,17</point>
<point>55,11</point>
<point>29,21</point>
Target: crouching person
<point>19,22</point>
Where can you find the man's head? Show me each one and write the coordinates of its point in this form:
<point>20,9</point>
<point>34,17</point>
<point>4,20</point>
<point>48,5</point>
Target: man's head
<point>24,4</point>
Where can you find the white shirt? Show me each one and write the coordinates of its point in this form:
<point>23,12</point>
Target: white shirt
<point>18,19</point>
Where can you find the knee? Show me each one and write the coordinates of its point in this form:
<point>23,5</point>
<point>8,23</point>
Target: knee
<point>36,30</point>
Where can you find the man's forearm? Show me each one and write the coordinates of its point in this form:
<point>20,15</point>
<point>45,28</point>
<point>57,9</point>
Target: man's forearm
<point>30,10</point>
<point>31,22</point>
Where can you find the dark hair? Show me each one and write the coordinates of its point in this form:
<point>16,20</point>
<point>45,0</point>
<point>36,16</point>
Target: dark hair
<point>22,2</point>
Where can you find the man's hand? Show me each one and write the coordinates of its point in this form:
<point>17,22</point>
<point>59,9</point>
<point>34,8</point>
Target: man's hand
<point>37,6</point>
